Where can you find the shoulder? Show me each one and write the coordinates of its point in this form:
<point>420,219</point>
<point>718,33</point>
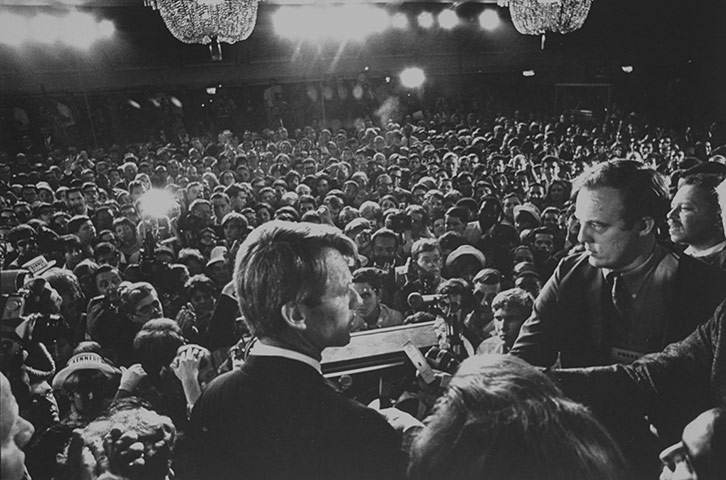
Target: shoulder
<point>390,316</point>
<point>698,271</point>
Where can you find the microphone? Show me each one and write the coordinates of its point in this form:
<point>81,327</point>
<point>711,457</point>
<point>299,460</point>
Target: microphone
<point>345,382</point>
<point>416,300</point>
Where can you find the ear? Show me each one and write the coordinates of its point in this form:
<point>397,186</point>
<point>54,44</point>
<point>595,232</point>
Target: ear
<point>293,315</point>
<point>647,226</point>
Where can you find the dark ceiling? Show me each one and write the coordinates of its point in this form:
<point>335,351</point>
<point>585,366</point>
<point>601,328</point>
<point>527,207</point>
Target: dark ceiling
<point>663,36</point>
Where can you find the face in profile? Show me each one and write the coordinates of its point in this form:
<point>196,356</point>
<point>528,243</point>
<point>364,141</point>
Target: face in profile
<point>328,320</point>
<point>609,242</point>
<point>692,220</point>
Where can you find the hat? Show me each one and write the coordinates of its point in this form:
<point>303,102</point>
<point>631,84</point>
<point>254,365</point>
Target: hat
<point>38,265</point>
<point>465,250</point>
<point>530,209</point>
<point>489,276</point>
<point>356,225</point>
<point>218,255</point>
<point>84,361</point>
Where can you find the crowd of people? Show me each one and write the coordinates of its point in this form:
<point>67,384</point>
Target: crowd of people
<point>557,258</point>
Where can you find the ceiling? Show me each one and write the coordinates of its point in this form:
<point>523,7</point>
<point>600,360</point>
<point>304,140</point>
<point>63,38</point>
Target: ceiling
<point>659,36</point>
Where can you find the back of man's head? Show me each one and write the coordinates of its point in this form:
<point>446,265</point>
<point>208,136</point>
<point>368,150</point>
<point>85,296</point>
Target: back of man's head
<point>283,262</point>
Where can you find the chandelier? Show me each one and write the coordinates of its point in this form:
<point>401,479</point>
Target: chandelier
<point>537,17</point>
<point>208,22</point>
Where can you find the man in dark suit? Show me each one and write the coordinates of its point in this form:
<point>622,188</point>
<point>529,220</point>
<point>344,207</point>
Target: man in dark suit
<point>686,378</point>
<point>276,417</point>
<point>627,295</point>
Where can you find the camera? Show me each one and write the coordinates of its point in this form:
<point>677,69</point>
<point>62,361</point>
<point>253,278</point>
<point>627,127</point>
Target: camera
<point>442,360</point>
<point>12,295</point>
<point>190,223</point>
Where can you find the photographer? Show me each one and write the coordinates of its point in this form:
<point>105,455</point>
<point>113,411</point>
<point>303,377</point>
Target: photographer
<point>113,323</point>
<point>24,241</point>
<point>463,324</point>
<point>422,273</point>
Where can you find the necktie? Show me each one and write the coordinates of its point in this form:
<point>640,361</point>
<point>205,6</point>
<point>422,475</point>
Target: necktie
<point>620,296</point>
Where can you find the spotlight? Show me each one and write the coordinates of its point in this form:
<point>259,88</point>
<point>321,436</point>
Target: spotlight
<point>448,19</point>
<point>156,203</point>
<point>106,28</point>
<point>212,90</point>
<point>528,73</point>
<point>412,77</point>
<point>399,20</point>
<point>80,30</point>
<point>426,20</point>
<point>627,68</point>
<point>13,29</point>
<point>45,29</point>
<point>489,20</point>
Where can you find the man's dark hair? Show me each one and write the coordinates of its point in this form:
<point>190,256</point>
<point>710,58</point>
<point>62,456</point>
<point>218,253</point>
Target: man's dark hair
<point>459,212</point>
<point>21,232</point>
<point>105,248</point>
<point>123,221</point>
<point>707,183</point>
<point>411,209</point>
<point>157,342</point>
<point>644,190</point>
<point>200,282</point>
<point>283,262</point>
<point>424,245</point>
<point>74,225</point>
<point>371,276</point>
<point>384,233</point>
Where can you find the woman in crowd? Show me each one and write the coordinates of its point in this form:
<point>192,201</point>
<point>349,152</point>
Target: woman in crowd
<point>502,419</point>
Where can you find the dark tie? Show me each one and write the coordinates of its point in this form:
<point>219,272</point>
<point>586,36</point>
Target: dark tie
<point>620,296</point>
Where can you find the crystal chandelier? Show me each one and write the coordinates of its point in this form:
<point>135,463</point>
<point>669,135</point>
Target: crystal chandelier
<point>537,17</point>
<point>208,21</point>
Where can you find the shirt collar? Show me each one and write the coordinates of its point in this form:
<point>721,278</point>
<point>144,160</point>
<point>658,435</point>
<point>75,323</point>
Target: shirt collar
<point>705,253</point>
<point>261,350</point>
<point>636,276</point>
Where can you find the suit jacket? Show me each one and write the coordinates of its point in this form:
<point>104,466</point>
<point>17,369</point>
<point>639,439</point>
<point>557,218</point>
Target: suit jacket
<point>573,314</point>
<point>277,418</point>
<point>685,379</point>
